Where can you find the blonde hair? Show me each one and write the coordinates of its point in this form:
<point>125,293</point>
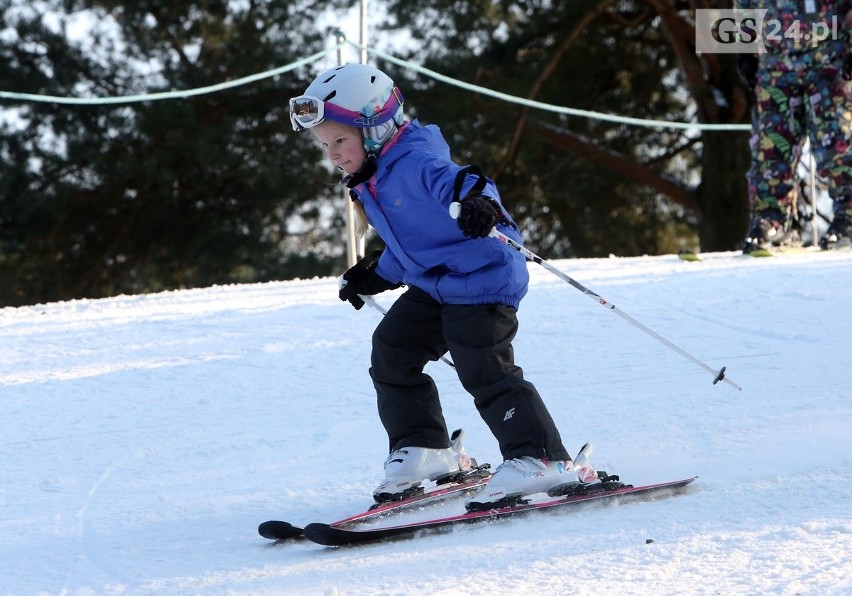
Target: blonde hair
<point>360,219</point>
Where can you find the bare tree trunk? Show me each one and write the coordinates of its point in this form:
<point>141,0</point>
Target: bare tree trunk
<point>721,196</point>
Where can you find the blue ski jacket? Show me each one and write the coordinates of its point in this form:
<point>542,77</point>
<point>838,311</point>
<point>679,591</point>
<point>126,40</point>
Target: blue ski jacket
<point>407,201</point>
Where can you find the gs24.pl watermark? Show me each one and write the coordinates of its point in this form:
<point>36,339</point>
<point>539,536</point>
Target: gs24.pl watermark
<point>744,31</point>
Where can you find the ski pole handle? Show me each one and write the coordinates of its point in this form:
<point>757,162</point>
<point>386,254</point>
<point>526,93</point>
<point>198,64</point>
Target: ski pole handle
<point>455,211</point>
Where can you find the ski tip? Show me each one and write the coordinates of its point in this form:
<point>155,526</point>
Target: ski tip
<point>688,255</point>
<point>279,530</point>
<point>688,481</point>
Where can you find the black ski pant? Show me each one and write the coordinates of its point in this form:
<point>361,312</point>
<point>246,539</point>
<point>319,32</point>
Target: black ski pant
<point>418,329</point>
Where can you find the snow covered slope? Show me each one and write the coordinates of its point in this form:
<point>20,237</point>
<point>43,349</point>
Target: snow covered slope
<point>145,437</point>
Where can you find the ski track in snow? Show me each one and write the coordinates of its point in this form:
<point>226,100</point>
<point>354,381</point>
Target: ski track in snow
<point>145,437</point>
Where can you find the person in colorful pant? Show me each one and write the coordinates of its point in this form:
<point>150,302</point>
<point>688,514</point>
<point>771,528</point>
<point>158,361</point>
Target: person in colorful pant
<point>802,90</point>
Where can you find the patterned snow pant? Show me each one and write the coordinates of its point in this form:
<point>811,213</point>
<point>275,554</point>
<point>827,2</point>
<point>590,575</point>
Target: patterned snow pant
<point>417,329</point>
<point>798,97</point>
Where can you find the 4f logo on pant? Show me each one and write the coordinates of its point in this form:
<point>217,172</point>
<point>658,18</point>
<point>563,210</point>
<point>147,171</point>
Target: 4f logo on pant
<point>509,414</point>
<point>748,31</point>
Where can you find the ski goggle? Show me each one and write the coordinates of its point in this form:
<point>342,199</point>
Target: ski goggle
<point>307,111</point>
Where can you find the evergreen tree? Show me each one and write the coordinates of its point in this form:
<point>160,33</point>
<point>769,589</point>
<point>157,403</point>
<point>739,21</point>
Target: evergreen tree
<point>97,200</point>
<point>100,200</point>
<point>580,186</point>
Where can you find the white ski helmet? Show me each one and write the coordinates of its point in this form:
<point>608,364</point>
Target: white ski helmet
<point>358,95</point>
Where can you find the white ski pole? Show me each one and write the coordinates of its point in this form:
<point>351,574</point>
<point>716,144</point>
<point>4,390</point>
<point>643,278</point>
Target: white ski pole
<point>812,166</point>
<point>372,302</point>
<point>455,209</point>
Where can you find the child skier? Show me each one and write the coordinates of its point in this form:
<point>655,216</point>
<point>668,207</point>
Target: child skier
<point>463,288</point>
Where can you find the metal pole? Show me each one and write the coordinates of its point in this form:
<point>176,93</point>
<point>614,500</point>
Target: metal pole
<point>813,168</point>
<point>354,245</point>
<point>362,39</point>
<point>351,241</point>
<point>718,375</point>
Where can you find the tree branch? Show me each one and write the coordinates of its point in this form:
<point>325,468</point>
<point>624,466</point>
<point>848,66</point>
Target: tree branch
<point>674,190</point>
<point>546,72</point>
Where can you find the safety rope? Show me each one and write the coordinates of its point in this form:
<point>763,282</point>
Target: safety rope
<point>29,97</point>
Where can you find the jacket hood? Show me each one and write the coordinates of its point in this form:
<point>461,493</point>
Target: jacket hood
<point>413,137</point>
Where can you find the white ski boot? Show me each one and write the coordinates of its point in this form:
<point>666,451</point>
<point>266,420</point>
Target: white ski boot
<point>522,476</point>
<point>407,468</point>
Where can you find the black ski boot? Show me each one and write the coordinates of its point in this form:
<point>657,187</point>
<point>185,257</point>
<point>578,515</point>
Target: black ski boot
<point>839,233</point>
<point>769,228</point>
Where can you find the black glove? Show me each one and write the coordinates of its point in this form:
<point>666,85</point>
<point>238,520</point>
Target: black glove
<point>478,215</point>
<point>747,66</point>
<point>847,67</point>
<point>362,278</point>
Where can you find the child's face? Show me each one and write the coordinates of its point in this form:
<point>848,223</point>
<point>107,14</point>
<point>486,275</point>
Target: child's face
<point>343,145</point>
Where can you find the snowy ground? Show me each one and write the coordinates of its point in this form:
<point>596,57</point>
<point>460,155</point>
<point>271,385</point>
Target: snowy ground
<point>145,437</point>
